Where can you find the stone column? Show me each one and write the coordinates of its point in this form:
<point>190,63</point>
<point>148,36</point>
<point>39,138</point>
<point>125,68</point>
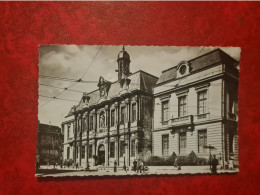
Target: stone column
<point>117,149</point>
<point>106,152</point>
<point>75,140</point>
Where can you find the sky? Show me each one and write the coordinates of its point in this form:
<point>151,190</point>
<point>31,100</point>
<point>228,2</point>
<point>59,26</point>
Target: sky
<point>75,61</point>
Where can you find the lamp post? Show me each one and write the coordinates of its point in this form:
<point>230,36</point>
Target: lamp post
<point>210,148</point>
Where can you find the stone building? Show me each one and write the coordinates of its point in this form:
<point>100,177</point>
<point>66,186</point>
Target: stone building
<point>195,106</point>
<point>114,122</point>
<point>49,144</point>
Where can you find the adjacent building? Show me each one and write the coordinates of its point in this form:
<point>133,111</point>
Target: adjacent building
<point>113,123</point>
<point>195,105</point>
<point>49,144</point>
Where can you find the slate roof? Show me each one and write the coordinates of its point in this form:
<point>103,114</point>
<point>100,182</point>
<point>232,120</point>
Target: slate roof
<point>140,80</point>
<point>48,128</point>
<point>214,57</point>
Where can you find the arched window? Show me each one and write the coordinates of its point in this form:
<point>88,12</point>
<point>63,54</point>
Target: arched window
<point>102,119</point>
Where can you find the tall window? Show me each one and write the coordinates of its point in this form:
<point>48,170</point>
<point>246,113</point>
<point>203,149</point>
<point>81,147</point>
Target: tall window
<point>90,153</point>
<point>133,112</point>
<point>165,108</point>
<point>112,149</point>
<point>79,125</point>
<point>112,118</point>
<point>123,114</point>
<point>202,140</point>
<point>182,142</point>
<point>165,145</point>
<point>68,132</point>
<point>202,102</point>
<point>83,151</point>
<point>68,153</point>
<point>102,119</point>
<point>182,106</point>
<point>91,122</point>
<point>122,148</point>
<point>132,147</point>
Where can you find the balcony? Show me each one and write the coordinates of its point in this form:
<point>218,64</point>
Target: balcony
<point>232,116</point>
<point>182,121</point>
<point>201,117</point>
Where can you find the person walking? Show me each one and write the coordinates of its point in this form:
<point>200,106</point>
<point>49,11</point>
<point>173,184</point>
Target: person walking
<point>77,165</point>
<point>214,164</point>
<point>138,166</point>
<point>141,168</point>
<point>135,164</point>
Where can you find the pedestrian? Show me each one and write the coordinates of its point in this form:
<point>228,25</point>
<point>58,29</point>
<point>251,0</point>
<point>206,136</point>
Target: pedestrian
<point>54,164</point>
<point>135,164</point>
<point>77,165</point>
<point>141,166</point>
<point>138,166</point>
<point>214,164</point>
<point>115,164</point>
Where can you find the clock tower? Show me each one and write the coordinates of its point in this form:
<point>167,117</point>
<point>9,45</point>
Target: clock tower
<point>123,60</point>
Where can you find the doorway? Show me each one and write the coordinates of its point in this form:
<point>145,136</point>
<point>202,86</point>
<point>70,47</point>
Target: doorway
<point>101,154</point>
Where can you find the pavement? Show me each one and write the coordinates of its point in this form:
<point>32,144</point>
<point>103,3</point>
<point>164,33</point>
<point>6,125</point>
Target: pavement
<point>45,171</point>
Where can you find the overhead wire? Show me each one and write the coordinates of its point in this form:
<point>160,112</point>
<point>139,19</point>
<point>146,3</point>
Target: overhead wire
<point>79,80</point>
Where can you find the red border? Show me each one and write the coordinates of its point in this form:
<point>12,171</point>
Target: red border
<point>25,25</point>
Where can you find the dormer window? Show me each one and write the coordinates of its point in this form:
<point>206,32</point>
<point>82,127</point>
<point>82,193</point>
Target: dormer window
<point>183,69</point>
<point>103,87</point>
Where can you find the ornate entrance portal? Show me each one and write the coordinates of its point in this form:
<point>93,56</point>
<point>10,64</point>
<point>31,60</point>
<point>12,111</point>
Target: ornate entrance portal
<point>101,154</point>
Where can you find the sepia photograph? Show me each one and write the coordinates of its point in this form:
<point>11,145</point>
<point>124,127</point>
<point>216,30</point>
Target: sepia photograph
<point>137,110</point>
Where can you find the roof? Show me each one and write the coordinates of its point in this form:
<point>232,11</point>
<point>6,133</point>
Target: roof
<point>214,57</point>
<point>48,128</point>
<point>140,81</point>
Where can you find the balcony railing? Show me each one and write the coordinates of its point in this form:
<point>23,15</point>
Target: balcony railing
<point>184,120</point>
<point>232,116</point>
<point>201,117</point>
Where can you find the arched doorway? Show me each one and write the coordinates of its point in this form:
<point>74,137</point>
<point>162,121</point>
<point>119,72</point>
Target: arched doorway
<point>101,154</point>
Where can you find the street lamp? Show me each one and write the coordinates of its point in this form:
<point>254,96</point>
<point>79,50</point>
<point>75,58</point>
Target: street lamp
<point>210,148</point>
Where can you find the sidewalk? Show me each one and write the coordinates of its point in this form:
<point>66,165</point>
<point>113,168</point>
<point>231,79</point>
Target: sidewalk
<point>153,170</point>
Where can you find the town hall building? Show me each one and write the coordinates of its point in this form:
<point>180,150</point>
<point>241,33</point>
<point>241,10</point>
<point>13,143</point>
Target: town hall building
<point>190,107</point>
<point>113,123</point>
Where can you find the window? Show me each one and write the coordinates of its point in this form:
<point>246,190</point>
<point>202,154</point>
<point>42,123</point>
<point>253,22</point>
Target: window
<point>122,148</point>
<point>182,143</point>
<point>123,114</point>
<point>68,132</point>
<point>132,147</point>
<point>202,140</point>
<point>112,118</point>
<point>165,145</point>
<point>202,102</point>
<point>112,149</point>
<point>91,122</point>
<point>133,112</point>
<point>79,125</point>
<point>165,108</point>
<point>102,119</point>
<point>90,154</point>
<point>182,106</point>
<point>231,140</point>
<point>83,151</point>
<point>68,153</point>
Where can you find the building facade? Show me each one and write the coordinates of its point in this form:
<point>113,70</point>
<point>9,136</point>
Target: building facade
<point>49,144</point>
<point>195,105</point>
<point>114,122</point>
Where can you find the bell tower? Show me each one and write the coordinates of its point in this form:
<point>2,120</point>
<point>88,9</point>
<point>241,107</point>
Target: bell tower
<point>123,60</point>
